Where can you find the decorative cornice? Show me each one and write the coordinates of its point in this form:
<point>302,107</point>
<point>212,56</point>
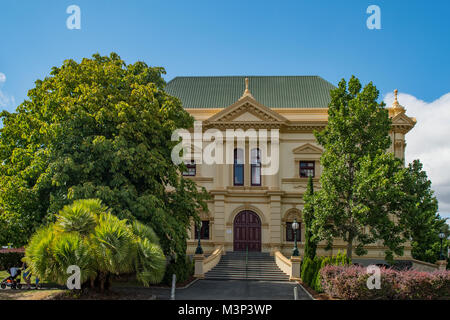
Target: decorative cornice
<point>200,179</point>
<point>298,180</point>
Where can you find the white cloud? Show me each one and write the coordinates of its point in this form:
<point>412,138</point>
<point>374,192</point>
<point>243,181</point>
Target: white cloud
<point>429,141</point>
<point>6,100</point>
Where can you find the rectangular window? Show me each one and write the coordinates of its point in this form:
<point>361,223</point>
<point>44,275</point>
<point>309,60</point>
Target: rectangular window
<point>290,232</point>
<point>191,169</point>
<point>307,169</point>
<point>238,167</point>
<point>255,164</point>
<point>204,231</point>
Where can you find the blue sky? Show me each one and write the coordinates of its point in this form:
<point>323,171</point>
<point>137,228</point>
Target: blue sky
<point>326,38</point>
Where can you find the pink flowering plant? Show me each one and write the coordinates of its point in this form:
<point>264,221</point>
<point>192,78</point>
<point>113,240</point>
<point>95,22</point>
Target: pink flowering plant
<point>350,283</point>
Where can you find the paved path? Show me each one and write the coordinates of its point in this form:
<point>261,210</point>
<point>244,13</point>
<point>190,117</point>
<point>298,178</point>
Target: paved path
<point>233,290</point>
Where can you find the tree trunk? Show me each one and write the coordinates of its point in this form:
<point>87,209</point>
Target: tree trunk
<point>102,278</point>
<point>108,281</point>
<point>350,248</point>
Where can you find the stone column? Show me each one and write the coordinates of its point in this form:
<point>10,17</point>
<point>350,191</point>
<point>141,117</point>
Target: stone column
<point>198,262</point>
<point>295,269</point>
<point>442,264</point>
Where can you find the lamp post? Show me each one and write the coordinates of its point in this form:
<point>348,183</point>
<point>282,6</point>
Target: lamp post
<point>441,236</point>
<point>295,228</point>
<point>199,249</point>
<point>448,247</point>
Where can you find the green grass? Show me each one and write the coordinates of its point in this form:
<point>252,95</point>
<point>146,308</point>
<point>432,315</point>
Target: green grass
<point>131,282</point>
<point>3,275</point>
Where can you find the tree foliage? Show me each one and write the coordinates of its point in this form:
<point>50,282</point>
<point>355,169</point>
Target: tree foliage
<point>423,222</point>
<point>102,129</point>
<point>367,194</point>
<point>87,235</point>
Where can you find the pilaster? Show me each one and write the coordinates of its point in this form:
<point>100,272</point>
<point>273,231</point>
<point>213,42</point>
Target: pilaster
<point>219,219</point>
<point>275,218</point>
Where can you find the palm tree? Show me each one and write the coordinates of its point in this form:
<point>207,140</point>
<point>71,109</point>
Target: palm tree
<point>86,234</point>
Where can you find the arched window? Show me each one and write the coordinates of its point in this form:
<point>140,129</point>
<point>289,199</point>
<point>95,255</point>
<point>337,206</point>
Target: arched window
<point>255,163</point>
<point>238,167</point>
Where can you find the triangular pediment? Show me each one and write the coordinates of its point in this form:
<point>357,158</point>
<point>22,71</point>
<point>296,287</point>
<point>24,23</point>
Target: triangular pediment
<point>246,110</point>
<point>248,116</point>
<point>307,148</point>
<point>403,119</point>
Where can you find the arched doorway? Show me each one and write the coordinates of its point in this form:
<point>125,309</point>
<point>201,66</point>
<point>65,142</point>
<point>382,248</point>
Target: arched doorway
<point>247,231</point>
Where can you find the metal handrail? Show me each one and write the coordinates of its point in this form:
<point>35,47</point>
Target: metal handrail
<point>246,262</point>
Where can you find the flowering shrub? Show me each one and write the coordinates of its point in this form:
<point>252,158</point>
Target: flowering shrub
<point>350,283</point>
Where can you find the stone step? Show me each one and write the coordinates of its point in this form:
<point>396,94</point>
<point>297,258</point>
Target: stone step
<point>247,278</point>
<point>230,274</point>
<point>250,263</point>
<point>243,272</point>
<point>219,268</point>
<point>240,266</point>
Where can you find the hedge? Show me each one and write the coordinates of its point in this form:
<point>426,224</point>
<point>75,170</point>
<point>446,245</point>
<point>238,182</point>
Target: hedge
<point>183,268</point>
<point>310,269</point>
<point>350,283</point>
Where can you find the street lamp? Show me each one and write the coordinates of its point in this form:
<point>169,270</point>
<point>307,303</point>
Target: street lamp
<point>441,236</point>
<point>448,247</point>
<point>199,249</point>
<point>295,228</point>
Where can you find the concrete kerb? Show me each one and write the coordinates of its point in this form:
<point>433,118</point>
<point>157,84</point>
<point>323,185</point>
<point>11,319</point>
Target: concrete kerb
<point>309,295</point>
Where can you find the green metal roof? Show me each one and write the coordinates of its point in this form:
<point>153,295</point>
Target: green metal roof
<point>271,91</point>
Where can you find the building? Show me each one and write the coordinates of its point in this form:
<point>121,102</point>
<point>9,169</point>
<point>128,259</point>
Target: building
<point>249,210</point>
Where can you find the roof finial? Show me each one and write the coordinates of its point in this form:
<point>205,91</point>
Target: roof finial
<point>247,92</point>
<point>396,107</point>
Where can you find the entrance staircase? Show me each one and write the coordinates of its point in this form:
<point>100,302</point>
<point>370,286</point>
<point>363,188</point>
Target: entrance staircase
<point>247,266</point>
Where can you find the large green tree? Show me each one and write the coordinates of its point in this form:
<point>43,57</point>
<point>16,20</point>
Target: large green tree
<point>361,199</point>
<point>422,220</point>
<point>101,129</point>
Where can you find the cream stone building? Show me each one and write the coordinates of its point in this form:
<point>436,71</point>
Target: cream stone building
<point>253,211</point>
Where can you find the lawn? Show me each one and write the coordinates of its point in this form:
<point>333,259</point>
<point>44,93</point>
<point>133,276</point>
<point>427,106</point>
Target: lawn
<point>9,294</point>
<point>127,288</point>
<point>3,275</point>
<point>44,294</point>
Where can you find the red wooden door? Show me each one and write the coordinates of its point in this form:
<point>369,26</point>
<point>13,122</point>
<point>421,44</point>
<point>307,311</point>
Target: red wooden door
<point>247,231</point>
